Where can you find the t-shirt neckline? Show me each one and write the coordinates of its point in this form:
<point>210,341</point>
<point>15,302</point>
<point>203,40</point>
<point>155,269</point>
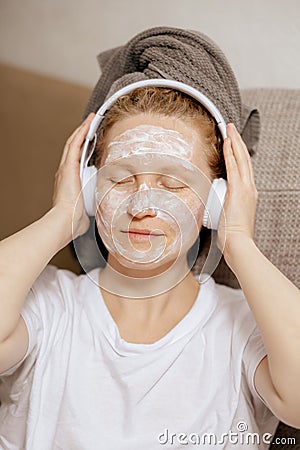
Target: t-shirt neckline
<point>200,311</point>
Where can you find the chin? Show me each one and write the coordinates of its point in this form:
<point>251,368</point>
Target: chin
<point>160,265</point>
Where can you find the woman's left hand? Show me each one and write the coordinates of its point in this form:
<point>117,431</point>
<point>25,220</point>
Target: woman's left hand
<point>238,218</point>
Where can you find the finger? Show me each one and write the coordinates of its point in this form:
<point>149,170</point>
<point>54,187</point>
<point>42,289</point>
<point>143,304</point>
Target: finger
<point>240,152</point>
<point>82,125</point>
<point>75,148</point>
<point>247,156</point>
<point>68,143</point>
<point>72,138</point>
<point>251,170</point>
<point>230,162</point>
<point>246,152</point>
<point>66,147</point>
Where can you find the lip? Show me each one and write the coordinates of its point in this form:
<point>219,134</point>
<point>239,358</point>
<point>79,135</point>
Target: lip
<point>143,231</point>
<point>141,235</point>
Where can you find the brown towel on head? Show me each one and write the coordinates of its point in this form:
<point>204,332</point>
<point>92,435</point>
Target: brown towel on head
<point>182,55</point>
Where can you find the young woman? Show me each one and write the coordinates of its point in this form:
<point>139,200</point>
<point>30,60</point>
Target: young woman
<point>141,353</point>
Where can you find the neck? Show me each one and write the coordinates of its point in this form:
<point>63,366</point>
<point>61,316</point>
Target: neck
<point>166,299</point>
<point>142,283</point>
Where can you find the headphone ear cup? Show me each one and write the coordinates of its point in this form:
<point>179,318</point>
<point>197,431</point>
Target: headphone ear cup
<point>214,204</point>
<point>89,183</point>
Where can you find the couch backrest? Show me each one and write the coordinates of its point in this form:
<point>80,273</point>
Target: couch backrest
<point>37,115</point>
<point>276,166</point>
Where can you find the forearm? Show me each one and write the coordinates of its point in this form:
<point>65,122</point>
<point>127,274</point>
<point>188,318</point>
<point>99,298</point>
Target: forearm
<point>275,303</point>
<point>23,256</point>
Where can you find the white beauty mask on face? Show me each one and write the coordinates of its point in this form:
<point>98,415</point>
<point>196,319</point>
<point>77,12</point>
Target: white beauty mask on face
<point>167,206</point>
<point>148,138</point>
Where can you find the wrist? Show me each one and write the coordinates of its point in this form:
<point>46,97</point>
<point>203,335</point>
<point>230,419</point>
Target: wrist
<point>237,250</point>
<point>60,223</point>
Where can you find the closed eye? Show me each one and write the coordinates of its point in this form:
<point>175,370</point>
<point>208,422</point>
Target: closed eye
<point>170,184</point>
<point>123,181</point>
<point>165,183</point>
<point>175,188</point>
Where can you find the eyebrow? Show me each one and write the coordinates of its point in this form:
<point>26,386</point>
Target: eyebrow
<point>164,168</point>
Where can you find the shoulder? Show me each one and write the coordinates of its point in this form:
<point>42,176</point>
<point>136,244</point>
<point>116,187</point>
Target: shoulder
<point>231,301</point>
<point>229,296</point>
<point>55,277</point>
<point>55,286</point>
<point>53,274</point>
<point>232,311</point>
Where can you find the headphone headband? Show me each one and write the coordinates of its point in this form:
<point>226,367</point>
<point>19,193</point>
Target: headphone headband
<point>197,95</point>
<point>88,173</point>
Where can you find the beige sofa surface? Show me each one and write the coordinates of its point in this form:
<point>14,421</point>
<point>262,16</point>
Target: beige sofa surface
<point>37,114</point>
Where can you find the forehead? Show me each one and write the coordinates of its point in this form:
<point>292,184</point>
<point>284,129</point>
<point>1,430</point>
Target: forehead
<point>144,139</point>
<point>160,136</point>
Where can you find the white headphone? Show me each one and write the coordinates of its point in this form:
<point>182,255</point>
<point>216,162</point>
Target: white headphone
<point>88,177</point>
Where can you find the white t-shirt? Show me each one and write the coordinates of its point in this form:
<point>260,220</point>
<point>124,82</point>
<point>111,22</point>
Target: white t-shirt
<point>82,387</point>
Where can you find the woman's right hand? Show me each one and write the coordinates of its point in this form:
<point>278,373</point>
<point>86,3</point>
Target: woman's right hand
<point>67,196</point>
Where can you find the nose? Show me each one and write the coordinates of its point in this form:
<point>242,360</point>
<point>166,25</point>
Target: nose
<point>145,180</point>
<point>141,203</point>
<point>144,212</point>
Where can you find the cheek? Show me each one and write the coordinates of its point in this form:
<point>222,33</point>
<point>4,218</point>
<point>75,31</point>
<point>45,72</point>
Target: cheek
<point>195,205</point>
<point>108,204</point>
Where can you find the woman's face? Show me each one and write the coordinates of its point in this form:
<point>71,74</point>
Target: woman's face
<point>151,188</point>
